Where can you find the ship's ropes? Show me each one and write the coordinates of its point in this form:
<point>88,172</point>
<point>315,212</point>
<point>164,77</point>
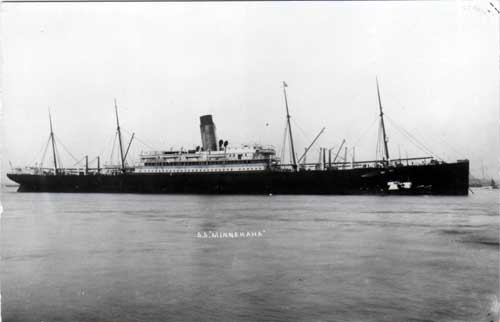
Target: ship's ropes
<point>78,162</point>
<point>111,160</point>
<point>44,153</point>
<point>413,139</point>
<point>82,159</point>
<point>365,132</point>
<point>310,142</point>
<point>42,157</point>
<point>447,145</point>
<point>139,140</point>
<point>65,149</point>
<point>303,132</point>
<point>296,145</point>
<point>125,142</point>
<point>107,146</point>
<point>379,153</point>
<point>57,153</point>
<point>283,145</point>
<point>134,150</point>
<point>113,149</point>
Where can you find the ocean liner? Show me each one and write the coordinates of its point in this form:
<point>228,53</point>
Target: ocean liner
<point>215,167</point>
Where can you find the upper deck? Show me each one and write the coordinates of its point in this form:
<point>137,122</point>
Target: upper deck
<point>230,159</point>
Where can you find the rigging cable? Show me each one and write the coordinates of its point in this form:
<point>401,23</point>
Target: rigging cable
<point>39,152</point>
<point>78,161</point>
<point>414,139</point>
<point>302,130</point>
<point>366,131</point>
<point>113,149</point>
<point>314,149</point>
<point>446,144</point>
<point>94,159</point>
<point>44,153</point>
<point>65,149</point>
<point>101,152</point>
<point>283,146</point>
<point>58,157</point>
<point>378,147</point>
<point>139,140</point>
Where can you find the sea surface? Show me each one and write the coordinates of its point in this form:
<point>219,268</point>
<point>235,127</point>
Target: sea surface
<point>130,257</point>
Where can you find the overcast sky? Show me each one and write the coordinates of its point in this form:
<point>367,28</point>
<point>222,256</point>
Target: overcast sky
<point>169,63</point>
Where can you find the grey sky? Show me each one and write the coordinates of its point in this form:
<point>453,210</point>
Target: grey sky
<point>169,63</point>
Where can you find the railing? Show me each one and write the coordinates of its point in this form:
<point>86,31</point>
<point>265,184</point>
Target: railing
<point>115,170</point>
<point>70,171</point>
<point>360,164</point>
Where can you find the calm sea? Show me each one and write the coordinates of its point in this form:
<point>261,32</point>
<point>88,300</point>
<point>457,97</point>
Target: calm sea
<point>129,257</point>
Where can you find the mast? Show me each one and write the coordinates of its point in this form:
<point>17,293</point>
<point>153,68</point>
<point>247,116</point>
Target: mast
<point>386,150</point>
<point>53,143</point>
<point>289,127</point>
<point>119,137</point>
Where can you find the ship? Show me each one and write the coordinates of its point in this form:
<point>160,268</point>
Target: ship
<point>215,167</point>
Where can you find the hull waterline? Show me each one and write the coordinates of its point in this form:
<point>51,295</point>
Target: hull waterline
<point>431,179</point>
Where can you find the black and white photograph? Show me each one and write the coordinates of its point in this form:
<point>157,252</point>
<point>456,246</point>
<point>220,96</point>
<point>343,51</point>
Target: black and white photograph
<point>240,161</point>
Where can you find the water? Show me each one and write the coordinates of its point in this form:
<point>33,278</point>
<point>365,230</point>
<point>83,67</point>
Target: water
<point>111,257</point>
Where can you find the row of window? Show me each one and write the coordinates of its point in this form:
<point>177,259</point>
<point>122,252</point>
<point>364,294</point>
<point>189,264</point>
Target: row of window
<point>201,170</point>
<point>195,163</point>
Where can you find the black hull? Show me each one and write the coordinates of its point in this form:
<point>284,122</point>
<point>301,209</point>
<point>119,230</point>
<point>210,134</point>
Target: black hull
<point>432,179</point>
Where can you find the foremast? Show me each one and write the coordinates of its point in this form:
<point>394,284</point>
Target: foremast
<point>294,161</point>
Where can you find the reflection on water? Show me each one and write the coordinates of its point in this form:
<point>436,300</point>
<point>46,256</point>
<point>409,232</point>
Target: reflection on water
<point>111,257</point>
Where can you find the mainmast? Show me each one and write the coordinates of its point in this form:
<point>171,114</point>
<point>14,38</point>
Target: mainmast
<point>289,127</point>
<point>386,150</point>
<point>53,143</point>
<point>119,138</point>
